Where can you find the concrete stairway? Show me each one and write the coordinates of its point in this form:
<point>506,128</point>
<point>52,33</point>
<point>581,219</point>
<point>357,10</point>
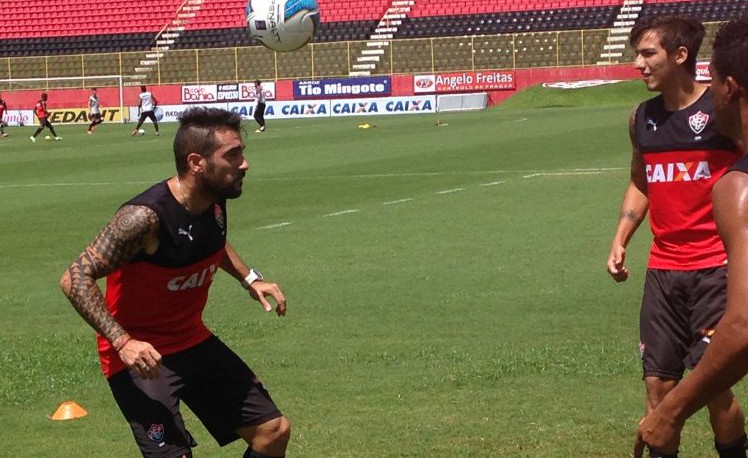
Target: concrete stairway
<point>619,34</point>
<point>167,36</point>
<point>378,42</point>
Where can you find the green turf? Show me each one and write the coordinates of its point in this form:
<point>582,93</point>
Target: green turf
<point>459,306</point>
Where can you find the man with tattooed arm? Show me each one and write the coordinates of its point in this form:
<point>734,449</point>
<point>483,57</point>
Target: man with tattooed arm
<point>159,253</point>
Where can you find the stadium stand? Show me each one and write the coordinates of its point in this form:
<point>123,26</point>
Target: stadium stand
<point>65,26</point>
<point>472,34</point>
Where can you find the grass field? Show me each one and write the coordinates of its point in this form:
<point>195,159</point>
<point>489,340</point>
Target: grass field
<point>447,285</point>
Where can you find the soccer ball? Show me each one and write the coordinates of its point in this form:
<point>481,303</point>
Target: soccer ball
<point>282,25</point>
<point>48,138</point>
<point>141,132</point>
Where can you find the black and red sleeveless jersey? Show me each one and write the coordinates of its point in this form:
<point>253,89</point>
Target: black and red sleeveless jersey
<point>40,109</point>
<point>160,298</point>
<point>684,156</point>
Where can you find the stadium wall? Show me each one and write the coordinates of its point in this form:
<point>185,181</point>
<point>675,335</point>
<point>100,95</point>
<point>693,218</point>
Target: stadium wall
<point>402,85</point>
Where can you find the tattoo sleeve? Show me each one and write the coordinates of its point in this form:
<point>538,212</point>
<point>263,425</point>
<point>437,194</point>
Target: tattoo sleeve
<point>129,232</point>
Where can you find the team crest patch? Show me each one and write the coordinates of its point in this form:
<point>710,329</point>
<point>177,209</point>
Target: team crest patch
<point>697,122</point>
<point>220,218</point>
<point>156,432</point>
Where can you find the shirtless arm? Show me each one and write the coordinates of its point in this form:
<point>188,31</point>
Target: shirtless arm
<point>633,209</point>
<point>725,360</point>
<point>233,264</point>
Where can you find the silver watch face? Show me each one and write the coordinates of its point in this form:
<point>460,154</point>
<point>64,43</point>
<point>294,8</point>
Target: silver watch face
<point>258,274</point>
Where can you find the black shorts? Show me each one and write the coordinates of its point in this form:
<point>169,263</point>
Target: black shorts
<point>95,116</point>
<point>219,388</point>
<point>147,114</point>
<point>679,311</point>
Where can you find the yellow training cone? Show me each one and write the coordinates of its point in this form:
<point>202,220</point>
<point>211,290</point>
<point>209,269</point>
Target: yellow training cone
<point>68,410</point>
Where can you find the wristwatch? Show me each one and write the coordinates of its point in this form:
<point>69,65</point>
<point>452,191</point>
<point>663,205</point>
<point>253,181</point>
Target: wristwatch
<point>251,278</point>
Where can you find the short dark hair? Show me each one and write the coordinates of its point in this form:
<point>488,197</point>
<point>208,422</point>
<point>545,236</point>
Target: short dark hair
<point>674,31</point>
<point>730,51</point>
<point>258,82</point>
<point>143,89</point>
<point>196,132</point>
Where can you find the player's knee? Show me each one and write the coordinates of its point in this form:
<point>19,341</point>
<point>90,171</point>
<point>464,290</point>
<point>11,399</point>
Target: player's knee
<point>657,389</point>
<point>725,401</point>
<point>275,433</point>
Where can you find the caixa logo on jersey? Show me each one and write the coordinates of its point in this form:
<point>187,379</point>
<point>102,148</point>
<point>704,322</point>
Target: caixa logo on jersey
<point>678,171</point>
<point>193,280</point>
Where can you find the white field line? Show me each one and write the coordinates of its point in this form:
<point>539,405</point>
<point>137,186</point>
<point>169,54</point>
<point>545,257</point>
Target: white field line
<point>399,201</point>
<point>527,174</point>
<point>449,191</point>
<point>340,213</point>
<point>493,183</point>
<point>275,226</point>
<point>571,172</point>
<point>51,185</point>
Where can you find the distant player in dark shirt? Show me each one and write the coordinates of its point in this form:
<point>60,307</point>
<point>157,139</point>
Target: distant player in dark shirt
<point>3,109</point>
<point>40,109</point>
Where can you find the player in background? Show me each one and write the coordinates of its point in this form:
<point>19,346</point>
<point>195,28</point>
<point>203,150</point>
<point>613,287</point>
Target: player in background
<point>677,156</point>
<point>146,105</point>
<point>3,109</point>
<point>259,113</point>
<point>40,109</point>
<point>725,361</point>
<point>94,107</point>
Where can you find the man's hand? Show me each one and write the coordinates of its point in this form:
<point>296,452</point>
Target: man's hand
<point>660,434</point>
<point>142,358</point>
<point>260,289</point>
<point>616,267</point>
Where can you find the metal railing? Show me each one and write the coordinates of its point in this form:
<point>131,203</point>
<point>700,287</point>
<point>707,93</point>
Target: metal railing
<point>335,59</point>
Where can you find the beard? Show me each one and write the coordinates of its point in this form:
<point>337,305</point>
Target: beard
<point>222,187</point>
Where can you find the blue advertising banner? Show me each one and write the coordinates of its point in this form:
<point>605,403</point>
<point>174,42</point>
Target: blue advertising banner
<point>331,88</point>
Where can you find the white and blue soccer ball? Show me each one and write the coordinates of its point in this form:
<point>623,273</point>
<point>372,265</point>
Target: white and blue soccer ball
<point>282,25</point>
<point>141,132</point>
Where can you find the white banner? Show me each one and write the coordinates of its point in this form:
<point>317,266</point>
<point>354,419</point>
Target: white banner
<point>20,118</point>
<point>202,93</point>
<point>170,113</point>
<point>702,71</point>
<point>384,105</point>
<point>211,93</point>
<point>286,110</point>
<point>293,109</point>
<point>247,91</point>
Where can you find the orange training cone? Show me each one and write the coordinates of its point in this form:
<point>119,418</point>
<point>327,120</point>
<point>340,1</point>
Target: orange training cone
<point>68,410</point>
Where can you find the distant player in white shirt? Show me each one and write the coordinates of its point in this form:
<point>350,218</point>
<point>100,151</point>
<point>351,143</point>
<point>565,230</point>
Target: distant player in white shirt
<point>94,108</point>
<point>146,106</point>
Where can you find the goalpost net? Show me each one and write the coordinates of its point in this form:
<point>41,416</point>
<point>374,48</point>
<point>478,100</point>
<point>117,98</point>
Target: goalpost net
<point>116,83</point>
